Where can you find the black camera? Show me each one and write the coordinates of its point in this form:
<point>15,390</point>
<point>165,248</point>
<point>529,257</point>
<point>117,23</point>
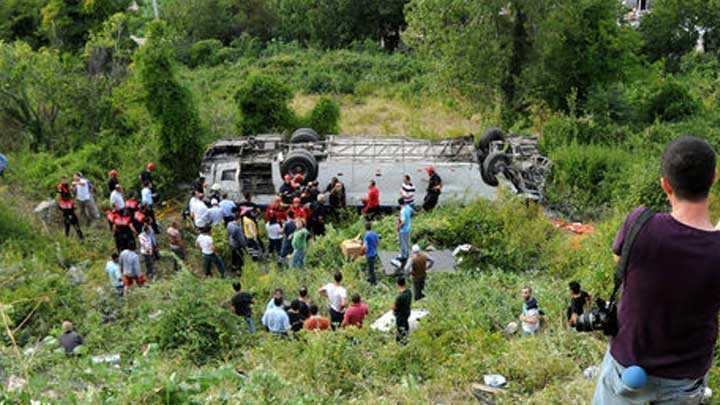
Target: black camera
<point>601,317</point>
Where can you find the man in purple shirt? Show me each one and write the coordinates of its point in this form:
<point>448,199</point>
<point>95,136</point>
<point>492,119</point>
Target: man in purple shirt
<point>668,314</point>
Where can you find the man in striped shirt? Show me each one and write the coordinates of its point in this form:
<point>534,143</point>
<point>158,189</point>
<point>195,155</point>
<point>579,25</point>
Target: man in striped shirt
<point>408,191</point>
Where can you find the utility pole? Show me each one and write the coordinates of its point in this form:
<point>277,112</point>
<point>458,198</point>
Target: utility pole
<point>155,9</point>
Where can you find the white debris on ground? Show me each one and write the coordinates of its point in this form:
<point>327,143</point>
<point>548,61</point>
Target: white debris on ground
<point>112,359</point>
<point>15,383</point>
<point>494,380</point>
<point>386,323</point>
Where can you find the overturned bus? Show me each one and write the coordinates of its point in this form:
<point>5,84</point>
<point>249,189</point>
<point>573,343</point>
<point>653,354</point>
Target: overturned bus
<point>468,169</point>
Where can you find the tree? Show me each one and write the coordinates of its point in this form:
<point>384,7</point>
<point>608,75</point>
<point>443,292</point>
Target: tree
<point>469,42</point>
<point>581,45</point>
<point>339,23</point>
<point>171,105</point>
<point>673,28</point>
<point>67,23</point>
<point>33,90</point>
<point>20,20</point>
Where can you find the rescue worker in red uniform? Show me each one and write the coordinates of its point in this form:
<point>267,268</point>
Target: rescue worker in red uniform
<point>124,231</point>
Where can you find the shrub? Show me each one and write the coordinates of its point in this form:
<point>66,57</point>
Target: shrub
<point>263,103</point>
<point>670,101</point>
<point>563,130</point>
<point>610,104</point>
<point>193,324</point>
<point>325,117</point>
<point>205,52</point>
<point>583,177</point>
<point>641,186</point>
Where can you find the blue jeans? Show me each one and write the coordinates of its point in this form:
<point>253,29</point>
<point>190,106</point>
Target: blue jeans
<point>250,324</point>
<point>298,260</point>
<point>371,270</point>
<point>610,389</point>
<point>404,244</point>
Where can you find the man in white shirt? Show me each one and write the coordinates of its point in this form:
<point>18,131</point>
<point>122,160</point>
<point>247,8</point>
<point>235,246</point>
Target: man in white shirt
<point>84,197</point>
<point>198,210</point>
<point>148,249</point>
<point>207,247</point>
<point>337,295</point>
<point>530,317</point>
<point>407,192</point>
<point>116,198</point>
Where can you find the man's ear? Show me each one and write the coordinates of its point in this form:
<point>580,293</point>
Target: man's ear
<point>665,184</point>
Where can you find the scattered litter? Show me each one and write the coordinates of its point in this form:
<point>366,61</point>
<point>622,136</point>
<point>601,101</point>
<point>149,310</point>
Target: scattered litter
<point>511,328</point>
<point>494,380</point>
<point>77,276</point>
<point>113,359</point>
<point>485,394</point>
<point>591,372</point>
<point>386,323</point>
<point>15,383</point>
<point>574,227</point>
<point>462,249</point>
<point>155,315</point>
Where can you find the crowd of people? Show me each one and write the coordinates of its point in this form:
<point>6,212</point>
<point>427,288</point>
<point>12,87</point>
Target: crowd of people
<point>284,318</point>
<point>297,214</point>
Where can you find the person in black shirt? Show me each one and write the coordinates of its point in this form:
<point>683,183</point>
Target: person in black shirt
<point>287,191</point>
<point>401,309</point>
<point>318,210</point>
<point>112,181</point>
<point>295,317</point>
<point>70,339</point>
<point>578,299</point>
<point>242,305</point>
<point>303,303</point>
<point>434,189</point>
<point>336,191</point>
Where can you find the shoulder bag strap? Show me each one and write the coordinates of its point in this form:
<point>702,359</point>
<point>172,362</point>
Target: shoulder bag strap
<point>622,266</point>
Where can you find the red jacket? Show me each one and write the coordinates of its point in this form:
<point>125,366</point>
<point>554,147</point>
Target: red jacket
<point>355,315</point>
<point>66,204</point>
<point>300,212</point>
<point>373,198</point>
<point>277,212</point>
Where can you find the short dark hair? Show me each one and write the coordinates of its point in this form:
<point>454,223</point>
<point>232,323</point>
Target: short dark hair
<point>247,196</point>
<point>401,201</point>
<point>278,301</point>
<point>338,276</point>
<point>237,286</point>
<point>372,182</point>
<point>574,287</point>
<point>688,164</point>
<point>114,256</point>
<point>303,291</point>
<point>278,290</point>
<point>355,298</point>
<point>291,214</point>
<point>401,281</point>
<point>368,225</point>
<point>314,309</point>
<point>295,304</point>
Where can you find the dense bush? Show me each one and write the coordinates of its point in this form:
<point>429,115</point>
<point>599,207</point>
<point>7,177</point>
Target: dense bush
<point>325,117</point>
<point>202,330</point>
<point>670,100</point>
<point>263,103</point>
<point>585,177</point>
<point>205,52</point>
